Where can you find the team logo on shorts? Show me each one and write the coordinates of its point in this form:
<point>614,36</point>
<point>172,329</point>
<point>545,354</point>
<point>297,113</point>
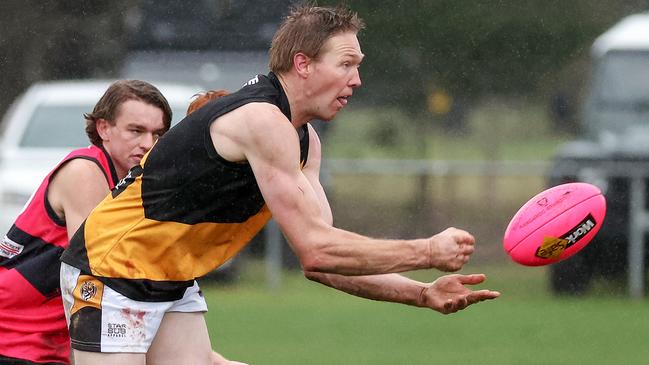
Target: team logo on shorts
<point>88,290</point>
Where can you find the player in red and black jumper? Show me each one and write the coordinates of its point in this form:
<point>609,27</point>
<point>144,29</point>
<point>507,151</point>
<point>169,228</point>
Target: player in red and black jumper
<point>123,126</point>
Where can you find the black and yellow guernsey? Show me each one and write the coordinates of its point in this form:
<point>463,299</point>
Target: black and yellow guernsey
<point>183,212</point>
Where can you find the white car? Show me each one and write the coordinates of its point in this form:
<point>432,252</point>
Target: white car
<point>45,124</point>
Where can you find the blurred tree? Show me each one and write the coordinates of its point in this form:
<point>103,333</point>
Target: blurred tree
<point>206,24</point>
<point>475,48</point>
<point>58,39</point>
<point>467,49</point>
<point>423,53</point>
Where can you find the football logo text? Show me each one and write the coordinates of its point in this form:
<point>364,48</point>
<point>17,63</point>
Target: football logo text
<point>553,247</point>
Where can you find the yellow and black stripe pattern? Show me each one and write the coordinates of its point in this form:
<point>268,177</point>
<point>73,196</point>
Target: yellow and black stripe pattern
<point>182,213</point>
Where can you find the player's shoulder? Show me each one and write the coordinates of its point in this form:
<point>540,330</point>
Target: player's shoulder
<point>80,169</point>
<point>262,111</point>
<point>74,179</point>
<point>260,116</point>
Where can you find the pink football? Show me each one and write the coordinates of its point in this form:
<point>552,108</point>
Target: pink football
<point>555,224</point>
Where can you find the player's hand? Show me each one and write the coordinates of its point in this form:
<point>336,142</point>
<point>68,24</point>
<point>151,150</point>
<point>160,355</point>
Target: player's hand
<point>448,294</point>
<point>451,249</point>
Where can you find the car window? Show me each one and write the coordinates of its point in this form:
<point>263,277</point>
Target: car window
<point>56,126</point>
<point>63,126</point>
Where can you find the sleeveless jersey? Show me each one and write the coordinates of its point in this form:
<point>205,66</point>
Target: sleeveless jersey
<point>32,321</point>
<point>183,212</point>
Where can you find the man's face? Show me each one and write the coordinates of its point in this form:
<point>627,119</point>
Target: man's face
<point>335,74</point>
<point>135,129</point>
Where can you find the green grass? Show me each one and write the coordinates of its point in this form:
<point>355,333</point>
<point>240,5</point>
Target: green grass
<point>306,323</point>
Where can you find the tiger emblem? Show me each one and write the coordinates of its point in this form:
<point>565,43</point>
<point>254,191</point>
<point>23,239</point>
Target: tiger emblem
<point>88,290</point>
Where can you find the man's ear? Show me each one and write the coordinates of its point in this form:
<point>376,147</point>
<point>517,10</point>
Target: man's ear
<point>102,128</point>
<point>302,64</point>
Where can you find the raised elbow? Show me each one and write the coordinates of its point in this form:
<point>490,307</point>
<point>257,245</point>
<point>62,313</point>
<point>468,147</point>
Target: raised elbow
<point>312,262</point>
<point>314,250</point>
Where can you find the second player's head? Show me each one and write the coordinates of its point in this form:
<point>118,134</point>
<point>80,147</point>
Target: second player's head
<point>127,120</point>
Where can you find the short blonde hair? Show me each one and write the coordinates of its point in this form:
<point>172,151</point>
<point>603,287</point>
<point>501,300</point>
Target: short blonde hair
<point>306,29</point>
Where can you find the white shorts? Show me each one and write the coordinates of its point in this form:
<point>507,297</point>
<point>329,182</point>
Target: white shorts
<point>103,320</point>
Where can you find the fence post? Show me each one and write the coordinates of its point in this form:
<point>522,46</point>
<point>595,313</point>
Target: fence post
<point>273,255</point>
<point>638,226</point>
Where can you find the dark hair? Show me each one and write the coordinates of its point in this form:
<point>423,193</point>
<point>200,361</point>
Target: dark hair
<point>306,29</point>
<point>119,92</point>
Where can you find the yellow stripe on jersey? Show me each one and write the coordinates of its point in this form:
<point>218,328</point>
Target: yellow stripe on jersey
<point>118,241</point>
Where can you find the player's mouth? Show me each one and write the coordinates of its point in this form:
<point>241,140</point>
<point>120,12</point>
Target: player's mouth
<point>343,100</point>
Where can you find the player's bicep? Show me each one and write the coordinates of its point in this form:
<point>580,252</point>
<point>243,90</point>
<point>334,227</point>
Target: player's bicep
<point>286,190</point>
<point>296,209</point>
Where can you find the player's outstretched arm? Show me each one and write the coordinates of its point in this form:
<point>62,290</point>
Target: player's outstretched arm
<point>446,295</point>
<point>260,134</point>
<point>447,258</point>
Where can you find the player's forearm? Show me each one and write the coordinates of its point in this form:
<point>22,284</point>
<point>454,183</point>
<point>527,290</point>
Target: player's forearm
<point>347,253</point>
<point>388,287</point>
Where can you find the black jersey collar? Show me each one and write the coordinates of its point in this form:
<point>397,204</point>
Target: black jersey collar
<point>283,99</point>
<point>111,166</point>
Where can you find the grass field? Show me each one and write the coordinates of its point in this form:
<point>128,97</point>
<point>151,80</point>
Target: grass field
<point>306,323</point>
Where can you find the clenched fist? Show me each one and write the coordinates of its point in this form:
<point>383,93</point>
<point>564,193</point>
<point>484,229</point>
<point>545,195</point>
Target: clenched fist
<point>450,249</point>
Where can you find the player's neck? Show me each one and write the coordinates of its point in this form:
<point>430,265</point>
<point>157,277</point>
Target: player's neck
<point>295,99</point>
